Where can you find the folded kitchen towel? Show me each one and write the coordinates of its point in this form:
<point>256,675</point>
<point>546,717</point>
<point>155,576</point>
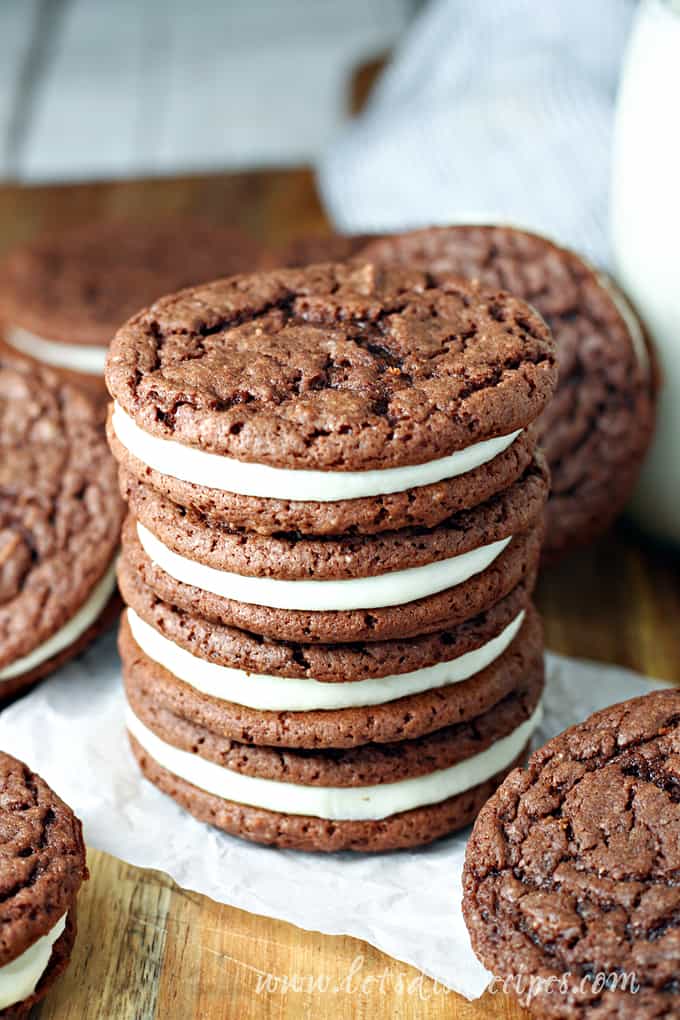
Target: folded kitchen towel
<point>490,110</point>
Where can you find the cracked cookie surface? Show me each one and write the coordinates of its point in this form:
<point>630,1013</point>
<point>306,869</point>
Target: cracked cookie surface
<point>573,865</point>
<point>333,367</point>
<point>598,427</point>
<point>60,511</point>
<point>42,858</point>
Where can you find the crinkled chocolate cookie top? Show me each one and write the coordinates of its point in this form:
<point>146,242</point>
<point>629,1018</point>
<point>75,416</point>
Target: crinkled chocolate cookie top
<point>79,286</point>
<point>573,866</point>
<point>596,430</point>
<point>42,858</point>
<point>60,510</point>
<point>333,367</point>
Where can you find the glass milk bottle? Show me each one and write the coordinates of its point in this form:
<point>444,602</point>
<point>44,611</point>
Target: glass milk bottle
<point>645,218</point>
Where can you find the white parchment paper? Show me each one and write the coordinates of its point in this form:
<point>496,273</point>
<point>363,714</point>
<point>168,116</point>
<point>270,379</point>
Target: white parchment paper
<point>70,731</point>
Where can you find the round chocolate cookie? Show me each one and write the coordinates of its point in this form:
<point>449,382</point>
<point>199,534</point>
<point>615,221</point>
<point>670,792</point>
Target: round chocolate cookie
<point>62,296</point>
<point>342,557</point>
<point>412,828</point>
<point>363,782</point>
<point>43,867</point>
<point>571,874</point>
<point>333,663</point>
<point>598,427</point>
<point>333,368</point>
<point>425,506</point>
<point>517,563</point>
<point>60,519</point>
<point>405,718</point>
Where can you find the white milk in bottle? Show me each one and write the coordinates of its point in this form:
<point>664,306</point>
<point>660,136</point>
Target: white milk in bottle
<point>645,217</point>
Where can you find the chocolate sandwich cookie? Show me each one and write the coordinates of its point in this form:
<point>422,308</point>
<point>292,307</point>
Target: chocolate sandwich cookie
<point>60,518</point>
<point>571,875</point>
<point>248,578</point>
<point>425,506</point>
<point>62,296</point>
<point>380,714</point>
<point>43,867</point>
<point>511,565</point>
<point>374,797</point>
<point>597,429</point>
<point>320,668</point>
<point>289,578</point>
<point>296,557</point>
<point>330,385</point>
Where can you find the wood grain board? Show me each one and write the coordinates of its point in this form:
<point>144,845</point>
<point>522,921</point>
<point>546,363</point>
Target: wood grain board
<point>148,949</point>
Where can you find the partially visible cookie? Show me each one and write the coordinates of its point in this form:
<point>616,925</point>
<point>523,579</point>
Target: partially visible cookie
<point>60,519</point>
<point>571,874</point>
<point>62,296</point>
<point>42,866</point>
<point>598,427</point>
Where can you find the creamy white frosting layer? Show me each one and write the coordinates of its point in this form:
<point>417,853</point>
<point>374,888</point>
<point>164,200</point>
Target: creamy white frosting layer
<point>352,803</point>
<point>70,632</point>
<point>393,589</point>
<point>215,471</point>
<point>290,694</point>
<point>77,357</point>
<point>20,977</point>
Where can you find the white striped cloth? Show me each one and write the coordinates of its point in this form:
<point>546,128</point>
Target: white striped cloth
<point>491,109</point>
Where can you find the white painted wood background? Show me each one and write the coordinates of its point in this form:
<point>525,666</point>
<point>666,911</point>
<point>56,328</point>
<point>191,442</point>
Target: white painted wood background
<point>113,88</point>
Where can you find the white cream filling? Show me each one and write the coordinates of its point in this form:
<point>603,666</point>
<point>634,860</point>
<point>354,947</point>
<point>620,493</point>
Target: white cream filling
<point>352,803</point>
<point>76,357</point>
<point>69,633</point>
<point>20,977</point>
<point>215,471</point>
<point>393,589</point>
<point>290,694</point>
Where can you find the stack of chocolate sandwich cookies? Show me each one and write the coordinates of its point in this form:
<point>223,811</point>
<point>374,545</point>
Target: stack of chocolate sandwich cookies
<point>60,520</point>
<point>336,517</point>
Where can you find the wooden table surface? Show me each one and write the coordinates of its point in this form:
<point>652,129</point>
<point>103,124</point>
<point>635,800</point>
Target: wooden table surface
<point>149,949</point>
